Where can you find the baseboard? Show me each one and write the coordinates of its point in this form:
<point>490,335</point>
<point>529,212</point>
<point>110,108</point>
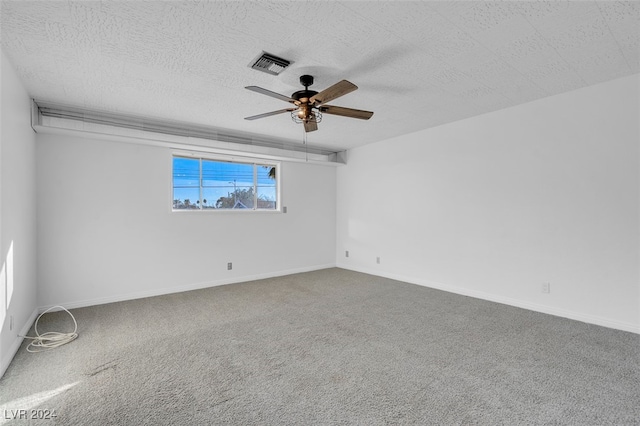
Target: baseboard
<point>73,304</point>
<point>13,350</point>
<point>578,316</point>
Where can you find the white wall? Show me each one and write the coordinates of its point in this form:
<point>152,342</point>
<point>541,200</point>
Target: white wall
<point>106,232</point>
<point>496,205</point>
<point>17,213</point>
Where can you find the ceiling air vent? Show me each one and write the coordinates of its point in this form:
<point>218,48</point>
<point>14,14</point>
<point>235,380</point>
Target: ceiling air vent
<point>269,63</point>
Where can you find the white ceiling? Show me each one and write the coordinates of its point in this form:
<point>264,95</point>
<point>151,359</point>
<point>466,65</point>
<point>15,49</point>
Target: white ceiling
<point>417,64</point>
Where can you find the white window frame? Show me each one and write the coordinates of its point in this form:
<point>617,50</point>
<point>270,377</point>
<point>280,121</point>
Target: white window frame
<point>228,159</point>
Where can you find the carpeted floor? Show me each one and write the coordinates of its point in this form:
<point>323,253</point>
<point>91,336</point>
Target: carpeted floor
<point>325,347</point>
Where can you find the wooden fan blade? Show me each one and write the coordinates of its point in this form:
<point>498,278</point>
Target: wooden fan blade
<point>310,126</point>
<point>346,112</point>
<point>267,114</point>
<point>341,88</point>
<point>270,93</point>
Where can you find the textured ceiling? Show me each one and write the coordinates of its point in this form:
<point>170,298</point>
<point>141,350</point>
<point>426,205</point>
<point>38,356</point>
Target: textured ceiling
<point>417,64</point>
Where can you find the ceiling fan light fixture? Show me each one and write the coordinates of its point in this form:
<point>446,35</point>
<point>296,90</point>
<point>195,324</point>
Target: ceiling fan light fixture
<point>299,116</point>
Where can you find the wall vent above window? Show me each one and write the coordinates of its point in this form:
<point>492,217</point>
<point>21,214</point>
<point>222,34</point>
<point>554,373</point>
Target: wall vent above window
<point>176,134</point>
<point>271,64</point>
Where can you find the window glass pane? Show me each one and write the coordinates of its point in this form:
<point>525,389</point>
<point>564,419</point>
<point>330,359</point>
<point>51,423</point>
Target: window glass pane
<point>208,184</point>
<point>216,188</point>
<point>186,183</point>
<point>266,186</point>
<point>227,185</point>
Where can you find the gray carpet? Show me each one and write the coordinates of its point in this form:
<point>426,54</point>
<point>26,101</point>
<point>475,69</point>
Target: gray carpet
<point>326,347</point>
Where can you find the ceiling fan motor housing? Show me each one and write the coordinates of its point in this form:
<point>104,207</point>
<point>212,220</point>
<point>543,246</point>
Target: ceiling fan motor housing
<point>303,95</point>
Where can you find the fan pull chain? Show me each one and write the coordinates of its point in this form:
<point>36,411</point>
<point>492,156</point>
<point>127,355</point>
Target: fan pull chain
<point>306,147</point>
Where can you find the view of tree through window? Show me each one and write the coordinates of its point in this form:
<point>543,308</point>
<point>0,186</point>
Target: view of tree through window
<point>201,184</point>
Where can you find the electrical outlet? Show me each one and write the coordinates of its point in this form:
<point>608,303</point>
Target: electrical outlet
<point>546,288</point>
<point>346,253</point>
<point>378,259</point>
<point>229,266</point>
<point>10,322</point>
<point>284,209</point>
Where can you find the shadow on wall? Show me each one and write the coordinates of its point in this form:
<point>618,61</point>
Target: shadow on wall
<point>6,284</point>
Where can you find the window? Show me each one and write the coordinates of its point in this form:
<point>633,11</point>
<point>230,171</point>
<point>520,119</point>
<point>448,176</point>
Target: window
<point>207,184</point>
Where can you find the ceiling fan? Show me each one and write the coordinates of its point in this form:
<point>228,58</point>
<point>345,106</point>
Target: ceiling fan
<point>310,105</point>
